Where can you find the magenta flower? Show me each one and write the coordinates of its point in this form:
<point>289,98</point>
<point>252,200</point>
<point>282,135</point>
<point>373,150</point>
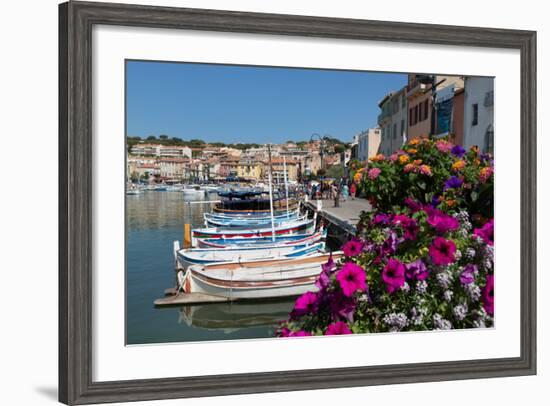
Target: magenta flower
<point>416,270</point>
<point>488,295</point>
<point>468,274</point>
<point>338,328</point>
<point>353,248</point>
<point>374,173</point>
<point>352,278</point>
<point>393,275</point>
<point>299,333</point>
<point>487,232</point>
<point>408,225</point>
<point>442,251</point>
<point>308,303</point>
<point>441,222</point>
<point>413,204</point>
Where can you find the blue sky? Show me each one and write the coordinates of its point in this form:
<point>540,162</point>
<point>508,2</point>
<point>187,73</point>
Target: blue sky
<point>251,104</point>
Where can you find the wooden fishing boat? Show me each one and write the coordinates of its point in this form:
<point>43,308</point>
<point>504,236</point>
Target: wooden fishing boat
<point>252,215</point>
<point>255,279</point>
<point>251,222</point>
<point>295,227</point>
<point>280,240</point>
<point>193,256</point>
<point>251,206</point>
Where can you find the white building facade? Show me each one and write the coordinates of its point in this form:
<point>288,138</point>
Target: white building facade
<point>368,143</point>
<point>479,117</point>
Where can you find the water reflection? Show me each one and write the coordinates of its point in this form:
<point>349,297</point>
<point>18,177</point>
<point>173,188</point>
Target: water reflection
<point>232,317</point>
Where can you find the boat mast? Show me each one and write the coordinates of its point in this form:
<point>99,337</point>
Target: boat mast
<point>271,194</point>
<point>286,184</point>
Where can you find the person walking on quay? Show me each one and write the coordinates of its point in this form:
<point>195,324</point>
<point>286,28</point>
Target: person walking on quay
<point>345,192</point>
<point>353,190</point>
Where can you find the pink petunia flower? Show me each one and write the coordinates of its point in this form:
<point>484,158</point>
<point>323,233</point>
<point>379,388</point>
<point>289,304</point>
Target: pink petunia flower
<point>353,248</point>
<point>442,251</point>
<point>393,275</point>
<point>352,278</point>
<point>487,232</point>
<point>338,328</point>
<point>308,303</point>
<point>441,222</point>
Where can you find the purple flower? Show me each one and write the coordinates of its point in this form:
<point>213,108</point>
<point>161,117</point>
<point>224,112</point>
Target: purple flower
<point>458,151</point>
<point>417,270</point>
<point>341,306</point>
<point>390,244</point>
<point>308,303</point>
<point>323,281</point>
<point>408,225</point>
<point>441,222</point>
<point>353,248</point>
<point>393,275</point>
<point>442,251</point>
<point>330,265</point>
<point>338,328</point>
<point>488,295</point>
<point>452,183</point>
<point>468,274</point>
<point>381,219</point>
<point>487,232</point>
<point>352,278</point>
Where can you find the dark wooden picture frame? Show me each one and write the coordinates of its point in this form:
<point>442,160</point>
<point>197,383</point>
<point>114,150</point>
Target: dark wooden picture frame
<point>76,20</point>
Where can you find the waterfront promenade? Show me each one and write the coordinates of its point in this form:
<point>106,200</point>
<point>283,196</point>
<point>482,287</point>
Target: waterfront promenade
<point>345,216</point>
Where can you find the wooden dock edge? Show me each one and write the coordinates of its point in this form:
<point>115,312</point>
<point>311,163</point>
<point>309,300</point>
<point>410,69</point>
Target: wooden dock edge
<point>331,218</point>
<point>189,299</point>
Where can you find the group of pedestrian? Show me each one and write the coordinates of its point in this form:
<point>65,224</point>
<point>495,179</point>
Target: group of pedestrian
<point>330,190</point>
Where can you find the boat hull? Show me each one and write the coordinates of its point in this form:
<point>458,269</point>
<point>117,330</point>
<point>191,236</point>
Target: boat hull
<point>256,279</point>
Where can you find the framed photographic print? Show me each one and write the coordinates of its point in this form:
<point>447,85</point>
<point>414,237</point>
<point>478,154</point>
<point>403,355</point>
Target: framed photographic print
<point>258,202</point>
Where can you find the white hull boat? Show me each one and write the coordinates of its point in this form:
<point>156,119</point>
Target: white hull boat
<point>255,279</point>
<point>194,256</point>
<point>280,240</point>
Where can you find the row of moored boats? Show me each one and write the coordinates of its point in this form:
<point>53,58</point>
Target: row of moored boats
<point>253,248</point>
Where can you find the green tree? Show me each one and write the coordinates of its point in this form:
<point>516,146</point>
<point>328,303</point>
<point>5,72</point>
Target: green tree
<point>335,171</point>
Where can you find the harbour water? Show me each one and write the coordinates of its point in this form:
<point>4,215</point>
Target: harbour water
<point>154,221</point>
